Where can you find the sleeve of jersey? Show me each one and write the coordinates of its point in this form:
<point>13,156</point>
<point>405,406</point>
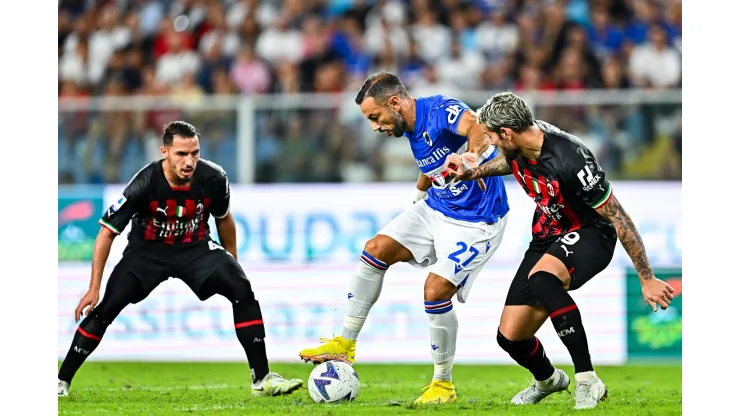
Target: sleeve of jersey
<point>118,215</point>
<point>590,180</point>
<point>449,115</point>
<point>220,205</point>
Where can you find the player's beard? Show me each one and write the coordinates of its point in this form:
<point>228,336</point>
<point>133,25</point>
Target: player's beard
<point>399,124</point>
<point>509,153</point>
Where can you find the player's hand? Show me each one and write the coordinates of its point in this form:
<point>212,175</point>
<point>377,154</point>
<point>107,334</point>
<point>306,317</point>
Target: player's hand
<point>459,166</point>
<point>90,299</point>
<point>657,292</point>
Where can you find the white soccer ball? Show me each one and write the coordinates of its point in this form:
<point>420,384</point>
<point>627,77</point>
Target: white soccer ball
<point>333,381</point>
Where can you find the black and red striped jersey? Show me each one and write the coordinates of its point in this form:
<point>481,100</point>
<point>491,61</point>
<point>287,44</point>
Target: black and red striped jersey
<point>171,215</point>
<point>566,182</point>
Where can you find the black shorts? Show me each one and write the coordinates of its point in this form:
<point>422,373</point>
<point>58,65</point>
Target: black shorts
<point>153,262</point>
<point>585,253</point>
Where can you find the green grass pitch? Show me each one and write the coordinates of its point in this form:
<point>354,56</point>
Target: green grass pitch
<point>224,389</point>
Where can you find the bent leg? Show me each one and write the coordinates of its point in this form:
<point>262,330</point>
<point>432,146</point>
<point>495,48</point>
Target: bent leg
<point>123,288</point>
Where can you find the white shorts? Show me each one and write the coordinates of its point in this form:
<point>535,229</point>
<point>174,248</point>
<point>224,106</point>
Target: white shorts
<point>456,250</point>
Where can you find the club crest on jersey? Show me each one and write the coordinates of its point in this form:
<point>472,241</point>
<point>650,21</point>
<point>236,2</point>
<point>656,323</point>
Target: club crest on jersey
<point>550,189</point>
<point>427,138</point>
<point>438,180</point>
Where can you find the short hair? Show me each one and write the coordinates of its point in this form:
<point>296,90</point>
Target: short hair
<point>178,128</point>
<point>381,86</point>
<point>505,109</point>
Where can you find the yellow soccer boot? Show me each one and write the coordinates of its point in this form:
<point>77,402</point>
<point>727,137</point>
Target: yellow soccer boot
<point>438,392</point>
<point>336,348</point>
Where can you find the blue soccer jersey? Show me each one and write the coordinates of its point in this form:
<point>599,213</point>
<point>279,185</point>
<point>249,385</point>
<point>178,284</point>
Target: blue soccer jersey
<point>434,137</point>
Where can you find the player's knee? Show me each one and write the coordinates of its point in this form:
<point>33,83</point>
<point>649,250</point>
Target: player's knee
<point>93,325</point>
<point>437,288</point>
<point>541,281</point>
<point>234,283</point>
<point>551,265</point>
<point>387,250</point>
<point>503,342</point>
<point>516,347</point>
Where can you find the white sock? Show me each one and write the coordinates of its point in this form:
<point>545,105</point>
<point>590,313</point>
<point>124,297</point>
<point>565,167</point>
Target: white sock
<point>443,336</point>
<point>586,376</point>
<point>364,290</point>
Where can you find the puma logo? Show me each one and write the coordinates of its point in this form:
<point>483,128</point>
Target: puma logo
<point>566,250</point>
<point>162,210</point>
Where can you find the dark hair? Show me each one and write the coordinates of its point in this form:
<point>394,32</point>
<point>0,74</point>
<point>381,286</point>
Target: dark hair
<point>381,86</point>
<point>178,128</point>
<point>505,109</point>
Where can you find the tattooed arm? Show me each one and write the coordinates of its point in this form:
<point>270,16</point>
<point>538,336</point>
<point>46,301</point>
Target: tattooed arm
<point>494,167</point>
<point>613,211</point>
<point>655,291</point>
<point>584,174</point>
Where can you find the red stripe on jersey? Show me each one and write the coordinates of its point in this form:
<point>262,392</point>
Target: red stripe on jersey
<point>151,231</point>
<point>189,216</point>
<point>204,220</point>
<point>555,226</point>
<point>181,188</point>
<point>517,175</point>
<point>171,213</point>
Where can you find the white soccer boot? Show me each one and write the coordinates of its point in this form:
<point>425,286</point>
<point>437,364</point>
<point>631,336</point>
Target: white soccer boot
<point>62,388</point>
<point>589,392</point>
<point>275,385</point>
<point>534,393</point>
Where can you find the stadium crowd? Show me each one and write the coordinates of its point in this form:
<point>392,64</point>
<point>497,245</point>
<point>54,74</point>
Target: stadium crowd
<point>187,49</point>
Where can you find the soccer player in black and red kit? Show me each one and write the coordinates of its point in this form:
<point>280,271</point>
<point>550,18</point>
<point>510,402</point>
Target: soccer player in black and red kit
<point>169,203</point>
<point>575,228</point>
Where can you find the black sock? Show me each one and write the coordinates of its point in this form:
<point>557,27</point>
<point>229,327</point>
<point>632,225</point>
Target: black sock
<point>565,317</point>
<point>251,334</point>
<point>86,339</point>
<point>529,354</point>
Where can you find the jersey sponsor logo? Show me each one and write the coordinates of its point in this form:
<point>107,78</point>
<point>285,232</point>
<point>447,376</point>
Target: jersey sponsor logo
<point>176,228</point>
<point>453,112</point>
<point>553,211</point>
<point>588,179</point>
<point>117,205</point>
<point>436,156</point>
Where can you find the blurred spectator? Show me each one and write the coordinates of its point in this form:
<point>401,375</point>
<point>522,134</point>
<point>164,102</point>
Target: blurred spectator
<point>462,68</point>
<point>605,36</point>
<point>250,74</point>
<point>656,64</point>
<point>496,37</point>
<point>280,42</point>
<point>673,22</point>
<point>176,61</point>
<point>181,51</point>
<point>432,38</point>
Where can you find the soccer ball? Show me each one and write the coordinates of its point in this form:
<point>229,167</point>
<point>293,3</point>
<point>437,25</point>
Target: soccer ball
<point>333,381</point>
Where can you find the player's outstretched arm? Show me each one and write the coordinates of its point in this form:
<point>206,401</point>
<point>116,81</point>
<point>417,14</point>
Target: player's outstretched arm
<point>101,251</point>
<point>654,290</point>
<point>226,228</point>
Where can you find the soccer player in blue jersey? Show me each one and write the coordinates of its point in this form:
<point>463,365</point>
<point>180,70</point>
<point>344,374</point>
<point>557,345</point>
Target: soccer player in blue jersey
<point>451,228</point>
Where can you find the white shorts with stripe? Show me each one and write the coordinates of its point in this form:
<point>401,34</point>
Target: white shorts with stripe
<point>456,250</point>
